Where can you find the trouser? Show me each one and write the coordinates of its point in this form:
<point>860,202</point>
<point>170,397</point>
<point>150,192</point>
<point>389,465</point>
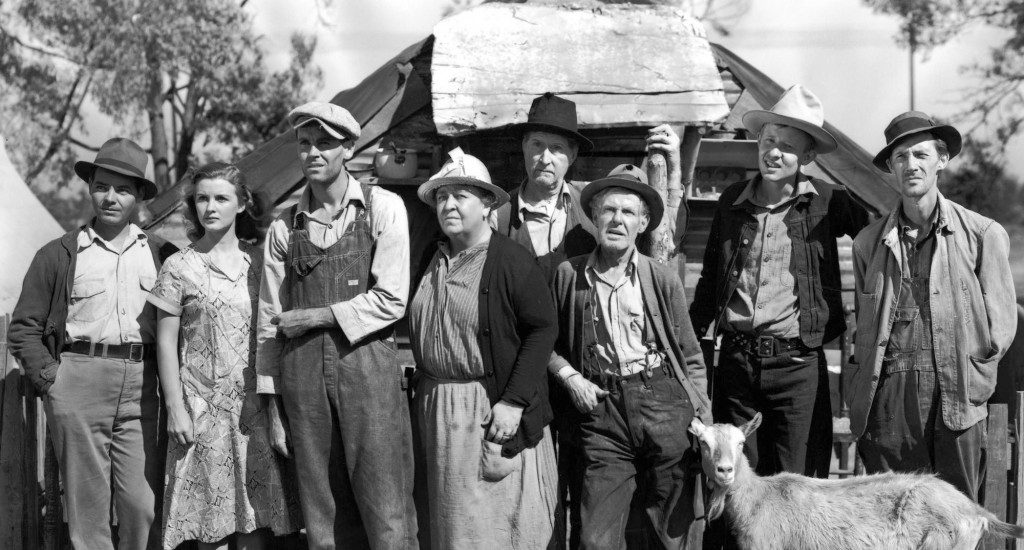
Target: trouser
<point>636,438</point>
<point>905,432</point>
<point>790,390</point>
<point>565,431</point>
<point>104,421</point>
<point>350,430</point>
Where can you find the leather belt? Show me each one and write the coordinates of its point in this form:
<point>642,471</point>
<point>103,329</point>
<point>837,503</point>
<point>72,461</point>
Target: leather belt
<point>131,352</point>
<point>763,346</point>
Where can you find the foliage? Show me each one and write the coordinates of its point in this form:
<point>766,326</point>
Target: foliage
<point>980,182</point>
<point>185,74</point>
<point>998,98</point>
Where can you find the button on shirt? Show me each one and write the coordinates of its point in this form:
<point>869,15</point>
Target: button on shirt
<point>619,319</point>
<point>765,301</point>
<point>379,307</point>
<point>108,295</point>
<point>546,221</point>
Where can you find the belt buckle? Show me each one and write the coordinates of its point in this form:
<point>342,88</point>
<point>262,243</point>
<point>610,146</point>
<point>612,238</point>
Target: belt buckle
<point>765,346</point>
<point>135,352</point>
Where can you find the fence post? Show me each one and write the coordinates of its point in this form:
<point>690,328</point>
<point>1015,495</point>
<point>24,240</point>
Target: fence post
<point>997,464</point>
<point>12,440</point>
<point>1018,465</point>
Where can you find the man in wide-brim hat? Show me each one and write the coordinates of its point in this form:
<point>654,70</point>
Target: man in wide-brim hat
<point>482,326</point>
<point>770,287</point>
<point>625,337</point>
<point>84,334</point>
<point>935,314</point>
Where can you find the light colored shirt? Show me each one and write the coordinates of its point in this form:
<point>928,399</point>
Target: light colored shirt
<point>380,306</point>
<point>444,316</point>
<point>619,346</point>
<point>545,220</point>
<point>765,301</point>
<point>108,295</point>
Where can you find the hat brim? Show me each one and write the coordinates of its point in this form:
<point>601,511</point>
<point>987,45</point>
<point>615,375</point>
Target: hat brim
<point>824,142</point>
<point>655,206</point>
<point>339,133</point>
<point>945,132</point>
<point>582,142</point>
<point>85,169</point>
<point>426,190</point>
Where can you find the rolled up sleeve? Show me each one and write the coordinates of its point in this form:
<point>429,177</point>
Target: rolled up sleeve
<point>384,303</point>
<point>268,346</point>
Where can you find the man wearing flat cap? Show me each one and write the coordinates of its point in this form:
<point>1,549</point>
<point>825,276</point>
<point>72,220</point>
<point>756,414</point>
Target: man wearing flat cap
<point>335,280</point>
<point>545,215</point>
<point>935,314</point>
<point>771,288</point>
<point>85,337</point>
<point>623,327</point>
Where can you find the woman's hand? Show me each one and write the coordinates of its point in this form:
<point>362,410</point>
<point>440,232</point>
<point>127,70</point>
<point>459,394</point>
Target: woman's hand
<point>502,422</point>
<point>179,425</point>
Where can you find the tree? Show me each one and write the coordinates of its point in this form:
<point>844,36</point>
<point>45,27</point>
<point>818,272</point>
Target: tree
<point>980,182</point>
<point>183,73</point>
<point>998,98</point>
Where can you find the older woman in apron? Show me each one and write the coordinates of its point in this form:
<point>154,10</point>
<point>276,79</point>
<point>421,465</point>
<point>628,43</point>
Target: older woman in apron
<point>483,327</point>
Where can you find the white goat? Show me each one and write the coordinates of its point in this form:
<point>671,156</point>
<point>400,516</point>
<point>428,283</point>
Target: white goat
<point>790,511</point>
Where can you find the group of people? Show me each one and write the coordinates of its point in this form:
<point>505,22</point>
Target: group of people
<point>557,367</point>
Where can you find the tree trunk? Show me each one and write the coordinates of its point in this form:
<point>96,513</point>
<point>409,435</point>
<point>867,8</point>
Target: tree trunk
<point>157,127</point>
<point>187,134</point>
<point>661,237</point>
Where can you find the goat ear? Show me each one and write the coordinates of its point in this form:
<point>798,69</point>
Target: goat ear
<point>697,427</point>
<point>752,425</point>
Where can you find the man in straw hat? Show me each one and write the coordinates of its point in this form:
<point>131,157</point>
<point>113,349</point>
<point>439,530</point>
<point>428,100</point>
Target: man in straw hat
<point>86,338</point>
<point>545,215</point>
<point>623,327</point>
<point>770,286</point>
<point>935,313</point>
<point>482,326</point>
<point>335,280</point>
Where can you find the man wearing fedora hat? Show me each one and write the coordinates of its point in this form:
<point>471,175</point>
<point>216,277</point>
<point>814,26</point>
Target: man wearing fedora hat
<point>85,336</point>
<point>335,280</point>
<point>623,328</point>
<point>770,286</point>
<point>545,215</point>
<point>935,313</point>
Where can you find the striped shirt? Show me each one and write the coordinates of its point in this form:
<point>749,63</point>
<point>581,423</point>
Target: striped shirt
<point>444,315</point>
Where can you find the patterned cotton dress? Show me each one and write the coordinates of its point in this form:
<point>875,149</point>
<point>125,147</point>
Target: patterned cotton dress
<point>229,480</point>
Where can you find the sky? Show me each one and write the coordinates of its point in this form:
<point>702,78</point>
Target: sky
<point>839,49</point>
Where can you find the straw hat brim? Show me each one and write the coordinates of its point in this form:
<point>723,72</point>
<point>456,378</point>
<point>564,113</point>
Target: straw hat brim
<point>426,189</point>
<point>655,206</point>
<point>85,169</point>
<point>945,132</point>
<point>824,142</point>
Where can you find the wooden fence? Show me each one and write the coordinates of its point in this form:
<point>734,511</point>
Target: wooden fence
<point>31,516</point>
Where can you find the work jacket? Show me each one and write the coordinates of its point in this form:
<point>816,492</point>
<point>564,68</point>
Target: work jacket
<point>814,221</point>
<point>973,311</point>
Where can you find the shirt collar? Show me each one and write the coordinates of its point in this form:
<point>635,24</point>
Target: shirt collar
<point>591,270</point>
<point>803,187</point>
<point>88,236</point>
<point>354,192</point>
<point>564,198</point>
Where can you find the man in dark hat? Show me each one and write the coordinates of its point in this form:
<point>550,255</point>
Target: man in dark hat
<point>770,286</point>
<point>935,313</point>
<point>335,280</point>
<point>85,337</point>
<point>623,327</point>
<point>545,215</point>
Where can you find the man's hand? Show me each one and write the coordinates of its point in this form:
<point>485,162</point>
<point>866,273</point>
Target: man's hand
<point>584,393</point>
<point>297,322</point>
<point>504,422</point>
<point>664,139</point>
<point>277,426</point>
<point>179,425</point>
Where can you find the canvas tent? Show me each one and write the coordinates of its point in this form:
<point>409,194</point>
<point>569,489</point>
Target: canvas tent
<point>25,226</point>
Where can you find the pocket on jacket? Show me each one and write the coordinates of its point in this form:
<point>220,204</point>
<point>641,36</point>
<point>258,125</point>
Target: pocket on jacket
<point>981,379</point>
<point>89,301</point>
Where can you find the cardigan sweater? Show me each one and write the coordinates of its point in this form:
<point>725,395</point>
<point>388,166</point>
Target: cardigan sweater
<point>517,333</point>
<point>665,309</point>
<point>38,325</point>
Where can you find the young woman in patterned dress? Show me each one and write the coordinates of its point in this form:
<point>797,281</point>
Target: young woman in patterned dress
<point>223,480</point>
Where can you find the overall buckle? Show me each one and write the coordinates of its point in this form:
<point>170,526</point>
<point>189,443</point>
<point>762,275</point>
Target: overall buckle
<point>765,346</point>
